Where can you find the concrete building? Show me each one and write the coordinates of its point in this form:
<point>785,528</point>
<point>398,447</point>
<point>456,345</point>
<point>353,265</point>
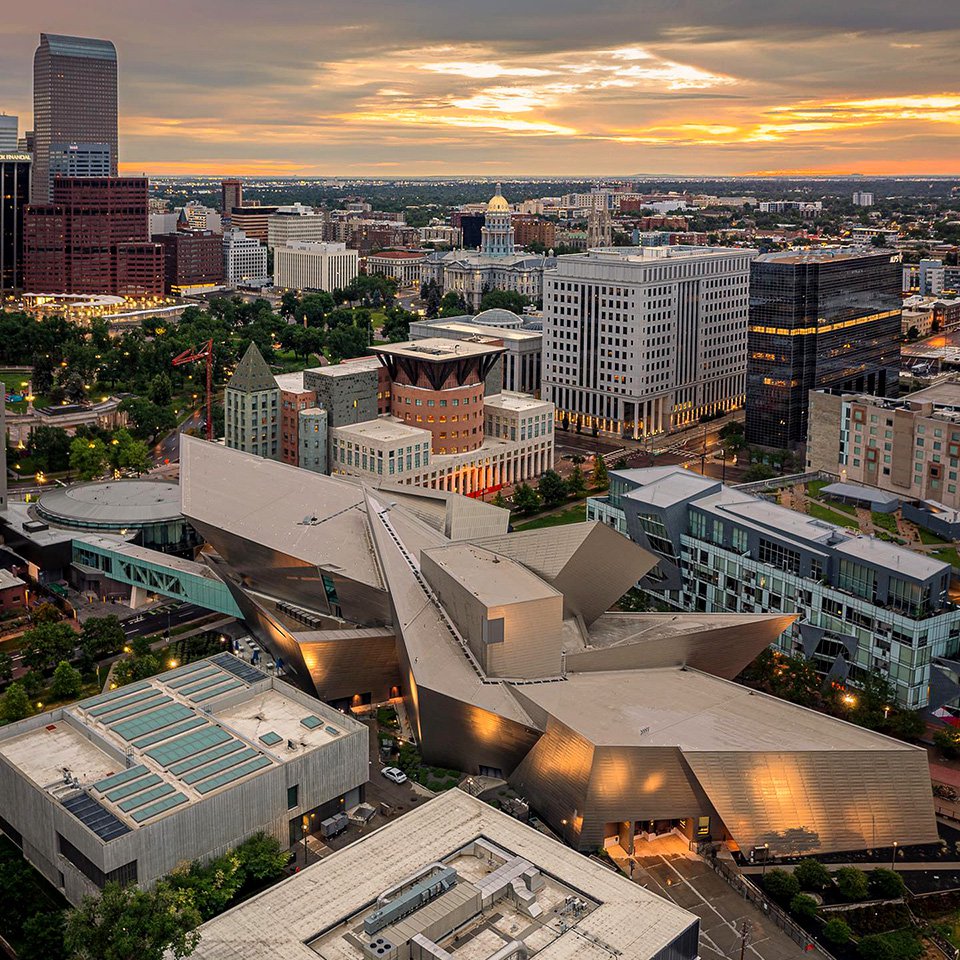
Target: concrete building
<point>822,318</point>
<point>313,439</point>
<point>244,259</point>
<point>294,399</point>
<point>9,133</point>
<point>192,261</point>
<point>910,447</point>
<point>254,221</point>
<point>923,316</point>
<point>928,278</point>
<point>126,785</point>
<point>859,605</point>
<point>79,160</point>
<point>498,882</point>
<point>402,265</point>
<point>529,229</point>
<point>862,198</point>
<point>351,392</point>
<point>74,101</point>
<point>501,648</point>
<point>252,407</point>
<point>314,266</point>
<point>14,197</point>
<point>643,340</point>
<point>295,223</point>
<point>521,339</point>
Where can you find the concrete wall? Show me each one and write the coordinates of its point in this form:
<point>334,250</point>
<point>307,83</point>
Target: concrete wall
<point>823,432</point>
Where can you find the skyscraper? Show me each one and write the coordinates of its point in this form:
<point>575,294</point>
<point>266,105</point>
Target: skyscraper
<point>819,319</point>
<point>232,195</point>
<point>14,196</point>
<point>8,133</point>
<point>74,101</point>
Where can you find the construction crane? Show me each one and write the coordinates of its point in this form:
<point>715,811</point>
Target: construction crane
<point>193,356</point>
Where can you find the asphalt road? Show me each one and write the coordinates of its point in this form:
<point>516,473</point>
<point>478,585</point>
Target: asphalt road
<point>157,620</point>
<point>168,449</point>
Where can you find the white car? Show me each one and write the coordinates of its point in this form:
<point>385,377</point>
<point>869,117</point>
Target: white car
<point>394,774</point>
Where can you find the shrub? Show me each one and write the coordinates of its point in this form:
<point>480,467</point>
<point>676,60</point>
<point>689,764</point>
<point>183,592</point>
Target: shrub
<point>948,740</point>
<point>898,945</point>
<point>803,906</point>
<point>812,875</point>
<point>836,931</point>
<point>781,885</point>
<point>885,884</point>
<point>852,883</point>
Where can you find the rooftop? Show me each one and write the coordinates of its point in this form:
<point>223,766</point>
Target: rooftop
<point>397,255</point>
<point>519,402</point>
<point>318,911</point>
<point>469,328</point>
<point>436,349</point>
<point>348,367</point>
<point>119,503</point>
<point>384,430</point>
<point>821,255</point>
<point>8,580</point>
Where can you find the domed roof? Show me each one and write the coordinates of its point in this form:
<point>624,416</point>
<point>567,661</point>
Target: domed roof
<point>498,203</point>
<point>499,317</point>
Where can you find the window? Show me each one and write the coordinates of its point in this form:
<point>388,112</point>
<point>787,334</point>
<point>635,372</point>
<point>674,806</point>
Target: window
<point>858,580</point>
<point>293,796</point>
<point>780,557</point>
<point>124,874</point>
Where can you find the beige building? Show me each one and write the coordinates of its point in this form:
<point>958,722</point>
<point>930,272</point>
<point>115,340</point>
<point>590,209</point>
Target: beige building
<point>295,223</point>
<point>301,265</point>
<point>402,265</point>
<point>909,446</point>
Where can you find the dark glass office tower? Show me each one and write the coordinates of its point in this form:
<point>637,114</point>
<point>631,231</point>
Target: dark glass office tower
<point>14,196</point>
<point>818,319</point>
<point>74,101</point>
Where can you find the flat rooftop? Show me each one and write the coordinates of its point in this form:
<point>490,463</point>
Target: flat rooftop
<point>383,430</point>
<point>115,502</point>
<point>438,349</point>
<point>317,912</point>
<point>290,382</point>
<point>820,255</point>
<point>348,367</point>
<point>473,329</point>
<point>518,402</point>
<point>946,393</point>
<point>125,758</point>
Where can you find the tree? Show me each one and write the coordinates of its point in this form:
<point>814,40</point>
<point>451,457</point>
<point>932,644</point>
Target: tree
<point>46,644</point>
<point>552,489</point>
<point>526,499</point>
<point>836,931</point>
<point>88,457</point>
<point>812,875</point>
<point>576,484</point>
<point>895,945</point>
<point>6,667</point>
<point>453,305</point>
<point>135,456</point>
<point>499,500</point>
<point>50,448</point>
<point>503,300</point>
<point>41,937</point>
<point>210,887</point>
<point>947,740</point>
<point>15,704</point>
<point>906,724</point>
<point>45,613</point>
<point>148,419</point>
<point>781,885</point>
<point>347,342</point>
<point>125,923</point>
<point>852,883</point>
<point>100,636</point>
<point>803,906</point>
<point>885,884</point>
<point>396,326</point>
<point>599,479</point>
<point>289,301</point>
<point>758,472</point>
<point>261,857</point>
<point>161,390</point>
<point>73,388</point>
<point>67,682</point>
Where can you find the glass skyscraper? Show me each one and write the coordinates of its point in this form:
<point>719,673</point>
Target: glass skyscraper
<point>14,196</point>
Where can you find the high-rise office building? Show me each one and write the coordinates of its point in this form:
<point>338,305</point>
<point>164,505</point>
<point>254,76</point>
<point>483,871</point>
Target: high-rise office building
<point>231,195</point>
<point>644,340</point>
<point>14,196</point>
<point>74,101</point>
<point>8,133</point>
<point>79,160</point>
<point>244,259</point>
<point>819,319</point>
<point>93,238</point>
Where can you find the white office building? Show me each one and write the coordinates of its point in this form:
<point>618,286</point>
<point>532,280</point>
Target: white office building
<point>244,259</point>
<point>292,223</point>
<point>8,133</point>
<point>863,198</point>
<point>644,340</point>
<point>302,265</point>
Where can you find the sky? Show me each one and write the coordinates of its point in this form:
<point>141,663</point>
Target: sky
<point>517,87</point>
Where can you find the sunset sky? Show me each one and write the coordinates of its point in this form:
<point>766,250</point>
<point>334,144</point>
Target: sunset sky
<point>517,87</point>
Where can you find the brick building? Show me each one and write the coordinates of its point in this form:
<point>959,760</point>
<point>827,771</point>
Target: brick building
<point>191,258</point>
<point>528,229</point>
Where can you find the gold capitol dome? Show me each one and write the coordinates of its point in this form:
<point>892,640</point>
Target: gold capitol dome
<point>498,203</point>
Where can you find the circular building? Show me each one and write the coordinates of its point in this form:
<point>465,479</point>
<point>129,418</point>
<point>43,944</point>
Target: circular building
<point>498,317</point>
<point>147,509</point>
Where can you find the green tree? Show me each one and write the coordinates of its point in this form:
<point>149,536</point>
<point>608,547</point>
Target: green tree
<point>526,499</point>
<point>812,875</point>
<point>149,420</point>
<point>100,636</point>
<point>837,931</point>
<point>88,457</point>
<point>499,500</point>
<point>289,301</point>
<point>895,945</point>
<point>261,857</point>
<point>50,448</point>
<point>852,884</point>
<point>15,704</point>
<point>452,304</point>
<point>576,483</point>
<point>396,326</point>
<point>781,885</point>
<point>135,456</point>
<point>906,724</point>
<point>210,887</point>
<point>67,682</point>
<point>503,300</point>
<point>803,906</point>
<point>45,613</point>
<point>161,390</point>
<point>599,479</point>
<point>6,667</point>
<point>41,937</point>
<point>125,923</point>
<point>947,739</point>
<point>46,644</point>
<point>347,342</point>
<point>758,472</point>
<point>885,884</point>
<point>552,489</point>
<point>73,388</point>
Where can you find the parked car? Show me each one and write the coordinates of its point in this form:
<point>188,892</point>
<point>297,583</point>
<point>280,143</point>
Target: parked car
<point>395,774</point>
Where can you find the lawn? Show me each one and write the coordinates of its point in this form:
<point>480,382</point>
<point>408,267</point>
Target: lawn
<point>887,521</point>
<point>575,514</point>
<point>831,516</point>
<point>815,486</point>
<point>845,507</point>
<point>927,537</point>
<point>948,554</point>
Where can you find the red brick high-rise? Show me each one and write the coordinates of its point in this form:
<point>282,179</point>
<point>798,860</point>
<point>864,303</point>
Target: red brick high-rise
<point>231,195</point>
<point>192,258</point>
<point>93,238</point>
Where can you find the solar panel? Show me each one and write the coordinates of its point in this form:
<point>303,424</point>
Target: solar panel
<point>256,764</point>
<point>311,722</point>
<point>148,703</point>
<point>239,668</point>
<point>114,781</point>
<point>201,758</point>
<point>183,674</point>
<point>333,731</point>
<point>224,763</point>
<point>136,697</point>
<point>192,743</point>
<point>143,798</point>
<point>217,690</point>
<point>167,732</point>
<point>100,820</point>
<point>168,803</point>
<point>202,680</point>
<point>115,695</point>
<point>164,717</point>
<point>134,786</point>
<point>271,738</point>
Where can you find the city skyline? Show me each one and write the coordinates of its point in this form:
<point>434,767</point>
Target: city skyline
<point>313,89</point>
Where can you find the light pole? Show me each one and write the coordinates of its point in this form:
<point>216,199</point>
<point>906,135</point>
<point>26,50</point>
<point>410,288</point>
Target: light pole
<point>564,825</point>
<point>766,856</point>
<point>723,468</point>
<point>893,858</point>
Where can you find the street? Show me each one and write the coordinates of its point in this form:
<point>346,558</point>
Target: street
<point>168,449</point>
<point>166,617</point>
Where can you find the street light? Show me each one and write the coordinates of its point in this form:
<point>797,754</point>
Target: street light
<point>893,859</point>
<point>766,857</point>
